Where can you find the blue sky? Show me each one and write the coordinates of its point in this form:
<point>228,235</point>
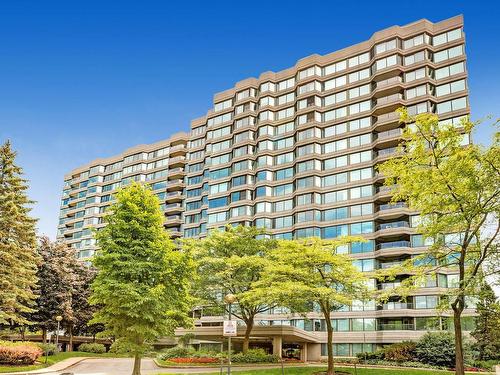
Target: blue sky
<point>87,79</point>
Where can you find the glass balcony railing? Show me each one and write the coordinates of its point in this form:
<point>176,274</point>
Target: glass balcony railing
<point>388,117</point>
<point>389,99</point>
<point>384,286</point>
<point>393,244</point>
<point>390,264</point>
<point>394,224</point>
<point>391,206</point>
<point>397,306</point>
<point>387,151</point>
<point>396,327</point>
<point>389,82</point>
<point>390,133</point>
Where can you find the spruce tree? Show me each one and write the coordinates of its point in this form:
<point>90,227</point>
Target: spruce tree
<point>18,255</point>
<point>487,328</point>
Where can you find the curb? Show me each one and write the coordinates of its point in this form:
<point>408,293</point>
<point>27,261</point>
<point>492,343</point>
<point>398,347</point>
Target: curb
<point>47,370</point>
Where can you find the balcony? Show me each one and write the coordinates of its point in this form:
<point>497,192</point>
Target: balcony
<point>396,327</point>
<point>173,207</point>
<point>388,82</point>
<point>179,160</point>
<point>387,120</point>
<point>173,196</point>
<point>390,264</point>
<point>397,306</point>
<point>384,286</point>
<point>392,206</point>
<point>390,133</point>
<point>391,99</point>
<point>387,151</point>
<point>394,224</point>
<point>393,244</point>
<point>179,172</point>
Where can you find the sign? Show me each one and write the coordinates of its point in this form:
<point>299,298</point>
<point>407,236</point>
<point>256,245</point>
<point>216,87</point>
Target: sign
<point>230,328</point>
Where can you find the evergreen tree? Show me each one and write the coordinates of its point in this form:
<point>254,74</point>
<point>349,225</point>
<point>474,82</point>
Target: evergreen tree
<point>487,328</point>
<point>18,256</point>
<point>56,283</point>
<point>142,281</point>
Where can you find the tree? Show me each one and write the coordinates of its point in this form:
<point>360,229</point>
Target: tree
<point>487,324</point>
<point>301,272</point>
<point>231,261</point>
<point>142,281</point>
<point>56,285</point>
<point>18,256</point>
<point>456,189</point>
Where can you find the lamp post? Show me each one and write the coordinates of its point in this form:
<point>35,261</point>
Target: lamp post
<point>58,319</point>
<point>229,299</point>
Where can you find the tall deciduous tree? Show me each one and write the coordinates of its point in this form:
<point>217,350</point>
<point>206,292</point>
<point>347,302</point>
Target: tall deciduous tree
<point>487,327</point>
<point>298,273</point>
<point>142,281</point>
<point>456,188</point>
<point>18,256</point>
<point>231,261</point>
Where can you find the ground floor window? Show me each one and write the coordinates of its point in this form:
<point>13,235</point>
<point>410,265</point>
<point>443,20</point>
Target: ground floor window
<point>347,350</point>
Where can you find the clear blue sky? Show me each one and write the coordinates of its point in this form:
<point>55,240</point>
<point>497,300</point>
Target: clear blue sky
<point>87,79</point>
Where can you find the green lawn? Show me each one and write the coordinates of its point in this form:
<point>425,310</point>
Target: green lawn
<point>360,371</point>
<point>51,359</point>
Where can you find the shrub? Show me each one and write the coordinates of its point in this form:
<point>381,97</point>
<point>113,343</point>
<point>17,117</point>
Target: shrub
<point>254,356</point>
<point>176,352</point>
<point>19,353</point>
<point>50,349</point>
<point>436,348</point>
<point>400,352</point>
<point>119,347</point>
<point>379,354</point>
<point>195,360</point>
<point>92,348</point>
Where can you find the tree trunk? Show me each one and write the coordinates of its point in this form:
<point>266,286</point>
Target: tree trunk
<point>137,365</point>
<point>329,343</point>
<point>23,333</point>
<point>44,335</point>
<point>459,354</point>
<point>70,343</point>
<point>246,339</point>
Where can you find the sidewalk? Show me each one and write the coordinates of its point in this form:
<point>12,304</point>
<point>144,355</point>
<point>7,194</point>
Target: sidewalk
<point>59,366</point>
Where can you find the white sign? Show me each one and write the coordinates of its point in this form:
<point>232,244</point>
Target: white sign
<point>230,328</point>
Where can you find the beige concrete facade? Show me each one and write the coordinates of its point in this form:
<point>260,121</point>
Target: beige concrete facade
<point>296,152</point>
<point>88,189</point>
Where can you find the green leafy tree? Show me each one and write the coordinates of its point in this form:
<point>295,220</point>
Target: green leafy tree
<point>487,330</point>
<point>456,189</point>
<point>18,256</point>
<point>302,272</point>
<point>56,283</point>
<point>231,261</point>
<point>142,281</point>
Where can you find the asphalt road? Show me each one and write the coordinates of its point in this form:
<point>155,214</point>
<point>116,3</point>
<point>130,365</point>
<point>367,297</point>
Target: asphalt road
<point>123,366</point>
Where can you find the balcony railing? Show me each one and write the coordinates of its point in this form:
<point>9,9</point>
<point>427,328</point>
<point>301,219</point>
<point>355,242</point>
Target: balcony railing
<point>396,327</point>
<point>390,133</point>
<point>389,99</point>
<point>394,224</point>
<point>390,264</point>
<point>388,117</point>
<point>397,306</point>
<point>390,206</point>
<point>384,286</point>
<point>388,82</point>
<point>393,244</point>
<point>387,151</point>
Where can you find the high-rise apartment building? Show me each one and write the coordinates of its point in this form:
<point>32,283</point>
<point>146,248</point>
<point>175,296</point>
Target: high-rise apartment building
<point>295,152</point>
<point>88,190</point>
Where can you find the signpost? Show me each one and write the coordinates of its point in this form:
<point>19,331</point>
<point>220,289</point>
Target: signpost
<point>230,328</point>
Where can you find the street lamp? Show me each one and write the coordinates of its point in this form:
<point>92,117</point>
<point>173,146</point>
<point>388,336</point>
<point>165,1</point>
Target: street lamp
<point>229,299</point>
<point>58,319</point>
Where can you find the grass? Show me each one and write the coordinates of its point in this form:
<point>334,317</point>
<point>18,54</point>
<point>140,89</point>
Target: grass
<point>52,359</point>
<point>360,371</point>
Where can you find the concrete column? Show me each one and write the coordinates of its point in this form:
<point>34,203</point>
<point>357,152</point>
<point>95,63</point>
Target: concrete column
<point>303,352</point>
<point>313,352</point>
<point>277,345</point>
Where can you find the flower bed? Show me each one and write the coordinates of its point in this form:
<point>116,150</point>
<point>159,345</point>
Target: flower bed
<point>194,360</point>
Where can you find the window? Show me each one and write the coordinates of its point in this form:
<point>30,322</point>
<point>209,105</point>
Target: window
<point>283,205</point>
<point>386,46</point>
<point>359,107</point>
<point>386,62</point>
<point>268,86</point>
<point>311,86</point>
<point>364,265</point>
<point>287,84</point>
<point>413,42</point>
<point>223,105</point>
<point>283,174</point>
<point>287,98</point>
<point>452,105</point>
<point>416,91</point>
<point>334,68</point>
<point>220,119</point>
<point>359,75</point>
<point>282,189</point>
<point>416,57</point>
<point>426,302</point>
<point>217,202</point>
<point>447,37</point>
<point>335,82</point>
<point>417,109</point>
<point>266,100</point>
<point>309,72</point>
<point>219,173</point>
<point>335,98</point>
<point>359,91</point>
<point>360,59</point>
<point>217,218</point>
<point>414,75</point>
<point>450,70</point>
<point>283,222</point>
<point>450,88</point>
<point>218,188</point>
<point>449,53</point>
